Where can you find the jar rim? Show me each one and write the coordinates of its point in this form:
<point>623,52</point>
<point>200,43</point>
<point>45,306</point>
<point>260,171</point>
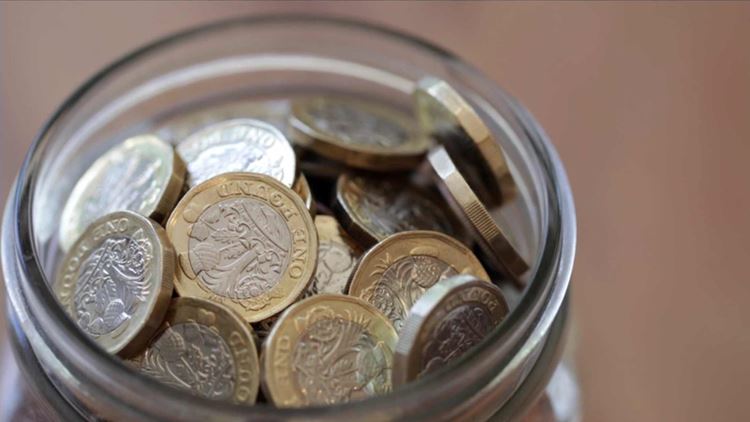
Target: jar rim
<point>533,314</point>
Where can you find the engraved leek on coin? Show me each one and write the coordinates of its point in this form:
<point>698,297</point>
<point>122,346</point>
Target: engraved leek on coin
<point>446,116</point>
<point>205,349</point>
<point>239,145</point>
<point>246,241</point>
<point>337,256</point>
<point>116,281</point>
<point>492,239</point>
<point>361,134</point>
<point>371,209</point>
<point>395,273</point>
<point>142,174</point>
<point>452,317</point>
<point>328,349</point>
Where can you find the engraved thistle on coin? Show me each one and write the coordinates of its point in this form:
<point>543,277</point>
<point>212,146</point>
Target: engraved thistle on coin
<point>239,145</point>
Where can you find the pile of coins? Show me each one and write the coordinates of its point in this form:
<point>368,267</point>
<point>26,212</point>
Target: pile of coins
<point>301,255</point>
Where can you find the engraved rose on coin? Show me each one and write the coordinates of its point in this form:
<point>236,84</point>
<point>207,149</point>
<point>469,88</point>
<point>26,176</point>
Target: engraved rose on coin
<point>239,248</point>
<point>403,282</point>
<point>192,357</point>
<point>337,360</point>
<point>462,329</point>
<point>113,281</point>
<point>354,125</point>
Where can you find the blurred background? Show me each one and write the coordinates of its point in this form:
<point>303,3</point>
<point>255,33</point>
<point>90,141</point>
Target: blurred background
<point>649,107</point>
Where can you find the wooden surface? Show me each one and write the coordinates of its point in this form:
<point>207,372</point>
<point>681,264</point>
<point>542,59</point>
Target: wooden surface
<point>649,107</point>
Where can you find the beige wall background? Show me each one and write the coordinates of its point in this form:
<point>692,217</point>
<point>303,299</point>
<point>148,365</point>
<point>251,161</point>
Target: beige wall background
<point>649,106</point>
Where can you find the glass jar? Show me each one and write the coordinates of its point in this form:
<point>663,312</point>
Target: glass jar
<point>275,57</point>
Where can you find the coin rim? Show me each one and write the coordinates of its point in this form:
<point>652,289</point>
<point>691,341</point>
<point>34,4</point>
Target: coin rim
<point>267,371</point>
<point>187,287</point>
<point>406,361</point>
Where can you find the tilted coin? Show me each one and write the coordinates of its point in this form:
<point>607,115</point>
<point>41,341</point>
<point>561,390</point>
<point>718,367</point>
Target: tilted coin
<point>245,241</point>
<point>491,237</point>
<point>395,273</point>
<point>116,281</point>
<point>142,174</point>
<point>239,145</point>
<point>337,257</point>
<point>325,350</point>
<point>361,134</point>
<point>452,317</point>
<point>205,349</point>
<point>445,115</point>
<point>302,188</point>
<point>180,124</point>
<point>371,209</point>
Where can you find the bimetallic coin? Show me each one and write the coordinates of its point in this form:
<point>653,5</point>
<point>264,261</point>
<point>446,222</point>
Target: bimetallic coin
<point>358,133</point>
<point>491,237</point>
<point>239,145</point>
<point>205,349</point>
<point>337,257</point>
<point>371,209</point>
<point>396,272</point>
<point>142,174</point>
<point>325,350</point>
<point>452,317</point>
<point>445,115</point>
<point>302,188</point>
<point>116,281</point>
<point>246,241</point>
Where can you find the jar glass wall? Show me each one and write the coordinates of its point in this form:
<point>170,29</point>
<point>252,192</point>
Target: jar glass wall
<point>270,59</point>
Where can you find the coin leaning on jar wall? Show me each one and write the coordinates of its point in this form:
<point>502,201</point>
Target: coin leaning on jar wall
<point>362,134</point>
<point>446,116</point>
<point>396,272</point>
<point>491,237</point>
<point>238,145</point>
<point>116,281</point>
<point>245,241</point>
<point>371,209</point>
<point>452,317</point>
<point>328,349</point>
<point>205,349</point>
<point>142,174</point>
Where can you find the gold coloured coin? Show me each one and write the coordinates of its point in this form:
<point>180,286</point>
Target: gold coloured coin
<point>337,257</point>
<point>445,115</point>
<point>491,237</point>
<point>396,272</point>
<point>238,145</point>
<point>361,134</point>
<point>325,350</point>
<point>116,281</point>
<point>452,317</point>
<point>302,188</point>
<point>246,241</point>
<point>205,349</point>
<point>371,209</point>
<point>142,174</point>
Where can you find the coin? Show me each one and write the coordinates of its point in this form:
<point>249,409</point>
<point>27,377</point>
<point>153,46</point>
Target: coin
<point>337,256</point>
<point>246,241</point>
<point>116,281</point>
<point>445,115</point>
<point>142,174</point>
<point>452,317</point>
<point>395,273</point>
<point>205,349</point>
<point>371,209</point>
<point>302,188</point>
<point>492,239</point>
<point>361,134</point>
<point>325,350</point>
<point>239,145</point>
